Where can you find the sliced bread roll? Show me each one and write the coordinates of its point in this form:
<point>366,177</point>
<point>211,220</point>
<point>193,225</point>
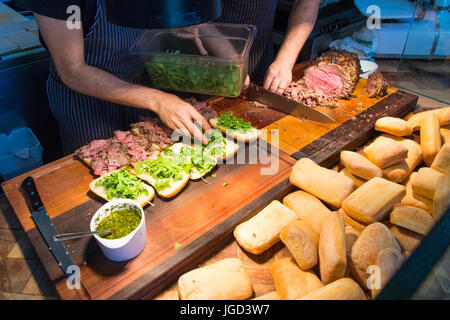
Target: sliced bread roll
<point>357,181</point>
<point>245,136</point>
<point>327,185</point>
<point>101,191</point>
<point>425,182</point>
<point>401,170</point>
<point>441,162</point>
<point>384,152</point>
<point>395,126</point>
<point>174,186</point>
<point>412,199</point>
<point>359,165</point>
<point>416,120</point>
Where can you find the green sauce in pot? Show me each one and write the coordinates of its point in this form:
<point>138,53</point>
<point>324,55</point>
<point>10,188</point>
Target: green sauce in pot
<point>121,222</point>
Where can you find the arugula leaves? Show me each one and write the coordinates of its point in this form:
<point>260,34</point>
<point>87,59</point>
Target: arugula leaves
<point>196,75</point>
<point>229,121</point>
<point>122,184</point>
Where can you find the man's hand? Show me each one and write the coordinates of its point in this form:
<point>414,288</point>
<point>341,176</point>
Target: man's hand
<point>180,115</point>
<point>278,77</point>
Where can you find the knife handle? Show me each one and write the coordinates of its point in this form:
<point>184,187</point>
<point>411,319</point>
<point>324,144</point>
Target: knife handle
<point>32,194</point>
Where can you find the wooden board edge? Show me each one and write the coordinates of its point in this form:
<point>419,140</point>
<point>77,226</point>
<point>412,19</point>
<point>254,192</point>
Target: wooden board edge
<point>325,149</point>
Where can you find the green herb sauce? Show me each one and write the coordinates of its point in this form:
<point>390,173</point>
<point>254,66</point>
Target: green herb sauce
<point>121,222</point>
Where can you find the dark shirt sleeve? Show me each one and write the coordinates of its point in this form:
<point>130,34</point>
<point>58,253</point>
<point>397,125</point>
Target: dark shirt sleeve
<point>51,8</point>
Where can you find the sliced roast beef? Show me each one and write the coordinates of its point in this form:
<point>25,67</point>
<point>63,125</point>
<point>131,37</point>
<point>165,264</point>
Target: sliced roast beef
<point>377,85</point>
<point>332,76</point>
<point>203,108</point>
<point>154,131</point>
<point>138,147</point>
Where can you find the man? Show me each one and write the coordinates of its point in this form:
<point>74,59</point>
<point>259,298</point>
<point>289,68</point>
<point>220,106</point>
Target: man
<point>94,88</point>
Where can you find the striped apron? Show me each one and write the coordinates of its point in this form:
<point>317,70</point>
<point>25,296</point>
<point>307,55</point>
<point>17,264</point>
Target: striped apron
<point>260,13</point>
<point>83,118</point>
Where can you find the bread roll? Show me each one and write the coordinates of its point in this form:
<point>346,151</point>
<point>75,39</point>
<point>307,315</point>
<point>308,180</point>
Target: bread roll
<point>247,136</point>
<point>291,282</point>
<point>223,280</point>
<point>262,231</point>
<point>342,289</point>
<point>302,242</point>
<point>430,138</point>
<point>349,221</point>
<point>441,198</point>
<point>374,238</point>
<point>272,295</point>
<point>307,208</point>
<point>415,200</point>
<point>441,162</point>
<point>424,183</point>
<point>395,126</point>
<point>373,200</point>
<point>359,165</point>
<point>357,181</point>
<point>401,170</point>
<point>408,239</point>
<point>351,234</point>
<point>388,261</point>
<point>332,254</point>
<point>416,120</point>
<point>385,152</point>
<point>327,185</point>
<point>445,134</point>
<point>411,218</point>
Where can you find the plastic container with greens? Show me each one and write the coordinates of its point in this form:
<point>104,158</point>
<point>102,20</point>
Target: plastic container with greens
<point>211,58</point>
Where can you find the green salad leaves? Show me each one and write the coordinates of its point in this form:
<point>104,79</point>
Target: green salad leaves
<point>217,144</point>
<point>229,121</point>
<point>192,157</point>
<point>122,184</point>
<point>196,75</point>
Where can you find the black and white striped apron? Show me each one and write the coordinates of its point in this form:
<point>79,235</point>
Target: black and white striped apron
<point>260,13</point>
<point>83,118</point>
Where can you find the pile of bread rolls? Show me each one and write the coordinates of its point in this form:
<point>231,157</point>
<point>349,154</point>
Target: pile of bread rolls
<point>349,231</point>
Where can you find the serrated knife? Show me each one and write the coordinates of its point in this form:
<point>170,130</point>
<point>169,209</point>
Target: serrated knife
<point>286,105</point>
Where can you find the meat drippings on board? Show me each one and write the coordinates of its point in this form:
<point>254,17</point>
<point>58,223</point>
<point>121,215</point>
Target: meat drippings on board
<point>377,85</point>
<point>332,76</point>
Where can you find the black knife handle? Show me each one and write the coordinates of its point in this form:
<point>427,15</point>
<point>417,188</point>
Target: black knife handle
<point>32,194</point>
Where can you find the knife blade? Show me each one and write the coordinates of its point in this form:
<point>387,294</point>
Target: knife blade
<point>286,105</point>
<point>45,227</point>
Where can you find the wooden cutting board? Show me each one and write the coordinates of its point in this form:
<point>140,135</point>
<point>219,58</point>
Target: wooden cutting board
<point>202,217</point>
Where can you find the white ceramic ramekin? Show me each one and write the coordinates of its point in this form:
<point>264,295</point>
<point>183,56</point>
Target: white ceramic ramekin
<point>127,247</point>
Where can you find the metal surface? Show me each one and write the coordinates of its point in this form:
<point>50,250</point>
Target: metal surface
<point>286,105</point>
<point>46,227</point>
<point>75,235</point>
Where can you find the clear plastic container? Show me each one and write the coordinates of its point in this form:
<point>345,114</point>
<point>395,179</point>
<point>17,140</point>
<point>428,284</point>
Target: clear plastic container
<point>210,59</point>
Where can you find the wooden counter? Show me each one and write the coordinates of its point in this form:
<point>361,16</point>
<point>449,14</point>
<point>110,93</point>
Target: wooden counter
<point>201,218</point>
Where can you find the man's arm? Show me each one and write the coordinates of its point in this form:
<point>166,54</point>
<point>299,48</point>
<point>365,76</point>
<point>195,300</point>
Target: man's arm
<point>301,22</point>
<point>67,50</point>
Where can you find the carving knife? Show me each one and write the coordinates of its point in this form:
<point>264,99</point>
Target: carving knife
<point>45,226</point>
<point>286,105</point>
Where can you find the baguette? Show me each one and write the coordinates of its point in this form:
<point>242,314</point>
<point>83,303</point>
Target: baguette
<point>388,261</point>
<point>302,242</point>
<point>412,199</point>
<point>359,165</point>
<point>327,185</point>
<point>385,152</point>
<point>291,282</point>
<point>430,138</point>
<point>307,208</point>
<point>332,253</point>
<point>349,221</point>
<point>342,289</point>
<point>372,240</point>
<point>395,126</point>
<point>101,191</point>
<point>223,280</point>
<point>357,181</point>
<point>441,162</point>
<point>416,120</point>
<point>408,240</point>
<point>411,218</point>
<point>401,170</point>
<point>424,183</point>
<point>441,198</point>
<point>373,200</point>
<point>247,136</point>
<point>262,231</point>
